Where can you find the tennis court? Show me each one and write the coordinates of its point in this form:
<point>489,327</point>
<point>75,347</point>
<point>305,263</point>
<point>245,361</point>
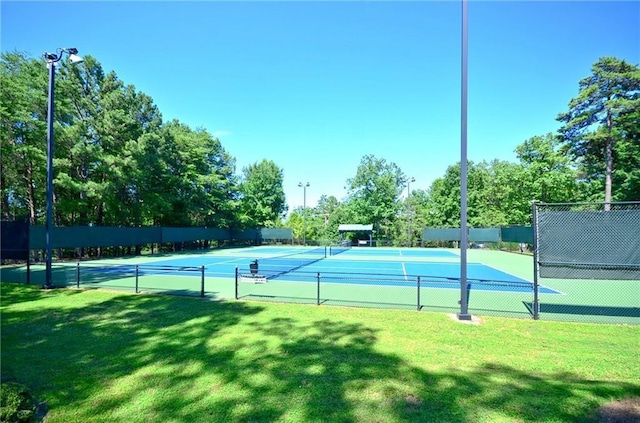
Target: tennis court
<point>294,264</point>
<point>499,283</point>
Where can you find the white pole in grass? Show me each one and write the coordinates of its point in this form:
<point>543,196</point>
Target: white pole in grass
<point>464,313</point>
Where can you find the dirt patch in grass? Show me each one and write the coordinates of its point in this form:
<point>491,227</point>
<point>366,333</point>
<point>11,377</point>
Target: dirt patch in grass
<point>624,411</point>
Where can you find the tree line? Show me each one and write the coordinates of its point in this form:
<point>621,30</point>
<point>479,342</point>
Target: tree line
<point>118,163</point>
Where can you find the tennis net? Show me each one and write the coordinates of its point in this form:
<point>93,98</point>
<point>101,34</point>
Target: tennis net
<point>339,248</point>
<point>272,267</point>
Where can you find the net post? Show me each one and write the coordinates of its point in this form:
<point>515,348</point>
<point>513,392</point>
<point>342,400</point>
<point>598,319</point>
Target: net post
<point>318,290</point>
<point>137,279</point>
<point>236,282</point>
<point>78,275</point>
<point>29,270</point>
<point>202,281</point>
<point>536,263</point>
<point>418,285</point>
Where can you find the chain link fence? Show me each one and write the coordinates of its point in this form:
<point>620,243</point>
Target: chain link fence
<point>591,253</point>
<point>377,290</point>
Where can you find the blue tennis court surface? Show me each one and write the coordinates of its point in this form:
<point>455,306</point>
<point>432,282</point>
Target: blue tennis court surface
<point>344,269</point>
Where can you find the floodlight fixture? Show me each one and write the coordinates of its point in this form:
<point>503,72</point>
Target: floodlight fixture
<point>75,59</point>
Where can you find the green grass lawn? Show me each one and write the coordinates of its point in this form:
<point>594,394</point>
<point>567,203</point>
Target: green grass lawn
<point>97,356</point>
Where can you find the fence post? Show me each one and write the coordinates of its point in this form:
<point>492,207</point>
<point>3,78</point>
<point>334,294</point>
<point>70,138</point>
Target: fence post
<point>418,293</point>
<point>318,295</point>
<point>137,279</point>
<point>202,281</point>
<point>236,282</point>
<point>78,276</point>
<point>468,293</point>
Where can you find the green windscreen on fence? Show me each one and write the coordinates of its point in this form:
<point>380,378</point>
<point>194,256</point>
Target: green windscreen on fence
<point>453,234</point>
<point>517,234</point>
<point>246,235</point>
<point>258,235</point>
<point>192,234</point>
<point>14,240</point>
<point>589,244</point>
<point>441,234</point>
<point>93,236</point>
<point>276,233</point>
<point>484,234</point>
<point>109,236</point>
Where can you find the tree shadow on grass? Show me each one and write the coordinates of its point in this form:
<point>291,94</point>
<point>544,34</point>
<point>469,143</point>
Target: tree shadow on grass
<point>16,292</point>
<point>109,357</point>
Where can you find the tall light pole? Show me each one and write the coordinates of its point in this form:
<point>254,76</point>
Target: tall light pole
<point>412,179</point>
<point>304,211</point>
<point>464,298</point>
<point>52,59</point>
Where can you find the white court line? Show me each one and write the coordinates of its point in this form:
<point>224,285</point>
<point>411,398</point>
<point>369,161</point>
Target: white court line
<point>236,260</point>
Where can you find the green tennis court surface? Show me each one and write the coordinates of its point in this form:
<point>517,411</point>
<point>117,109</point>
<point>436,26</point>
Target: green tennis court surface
<point>428,279</point>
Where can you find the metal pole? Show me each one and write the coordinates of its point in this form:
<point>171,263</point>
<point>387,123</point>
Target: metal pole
<point>78,276</point>
<point>409,209</point>
<point>304,211</point>
<point>318,293</point>
<point>536,264</point>
<point>464,314</point>
<point>236,282</point>
<point>202,284</point>
<point>418,293</point>
<point>49,223</point>
<point>137,279</point>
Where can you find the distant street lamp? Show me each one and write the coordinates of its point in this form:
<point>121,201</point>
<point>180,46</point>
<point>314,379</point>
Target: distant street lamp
<point>52,59</point>
<point>412,179</point>
<point>304,211</point>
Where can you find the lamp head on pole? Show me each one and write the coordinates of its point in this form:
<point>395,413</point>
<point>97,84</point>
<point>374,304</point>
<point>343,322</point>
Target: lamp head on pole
<point>75,59</point>
<point>55,57</point>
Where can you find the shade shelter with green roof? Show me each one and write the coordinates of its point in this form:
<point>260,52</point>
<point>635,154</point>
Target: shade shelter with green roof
<point>363,233</point>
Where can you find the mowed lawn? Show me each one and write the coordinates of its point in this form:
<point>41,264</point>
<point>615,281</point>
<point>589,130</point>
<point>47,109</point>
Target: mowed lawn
<point>97,356</point>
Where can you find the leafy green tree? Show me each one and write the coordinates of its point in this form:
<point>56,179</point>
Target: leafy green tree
<point>186,178</point>
<point>262,198</point>
<point>99,146</point>
<point>115,162</point>
<point>504,200</point>
<point>329,213</point>
<point>495,196</point>
<point>295,222</point>
<point>597,125</point>
<point>23,134</point>
<point>626,175</point>
<point>445,195</point>
<point>374,192</point>
<point>550,175</point>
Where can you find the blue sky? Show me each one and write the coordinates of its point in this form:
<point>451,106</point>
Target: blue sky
<point>315,86</point>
